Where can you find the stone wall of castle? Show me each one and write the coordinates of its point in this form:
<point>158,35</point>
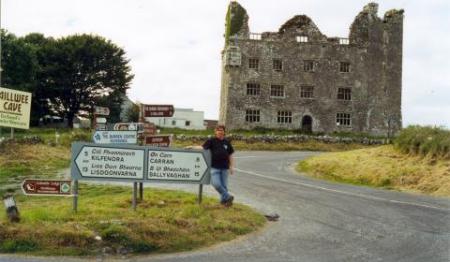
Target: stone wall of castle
<point>298,78</point>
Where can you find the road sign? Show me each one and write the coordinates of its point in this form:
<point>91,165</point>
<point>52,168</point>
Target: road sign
<point>115,137</point>
<point>176,166</point>
<point>139,127</point>
<point>93,161</point>
<point>139,163</point>
<point>15,107</point>
<point>158,141</point>
<point>158,110</point>
<point>99,110</point>
<point>46,187</point>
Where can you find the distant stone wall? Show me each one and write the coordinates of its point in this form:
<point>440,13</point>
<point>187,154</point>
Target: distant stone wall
<point>290,139</point>
<point>356,81</point>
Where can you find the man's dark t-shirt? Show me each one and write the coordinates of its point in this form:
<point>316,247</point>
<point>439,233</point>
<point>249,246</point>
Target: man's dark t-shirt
<point>220,152</point>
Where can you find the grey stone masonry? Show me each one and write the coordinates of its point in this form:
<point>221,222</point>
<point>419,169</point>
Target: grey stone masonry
<point>298,78</point>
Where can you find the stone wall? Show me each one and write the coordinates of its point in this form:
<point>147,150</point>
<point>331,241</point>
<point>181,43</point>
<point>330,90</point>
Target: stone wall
<point>374,55</point>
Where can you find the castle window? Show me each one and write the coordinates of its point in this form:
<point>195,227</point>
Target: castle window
<point>253,89</point>
<point>251,115</point>
<point>308,66</point>
<point>344,41</point>
<point>343,119</point>
<point>284,117</point>
<point>174,122</point>
<point>344,67</point>
<point>344,93</point>
<point>255,36</point>
<point>188,123</point>
<point>301,39</point>
<point>306,91</point>
<point>253,63</point>
<point>277,91</point>
<point>277,64</point>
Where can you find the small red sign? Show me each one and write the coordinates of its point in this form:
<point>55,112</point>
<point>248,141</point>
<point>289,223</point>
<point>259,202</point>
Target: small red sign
<point>157,141</point>
<point>158,110</point>
<point>46,187</point>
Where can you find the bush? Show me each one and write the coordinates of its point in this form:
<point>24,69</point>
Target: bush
<point>424,141</point>
<point>76,135</point>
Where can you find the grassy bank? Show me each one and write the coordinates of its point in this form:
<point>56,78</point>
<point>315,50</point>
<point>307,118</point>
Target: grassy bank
<point>165,221</point>
<point>424,141</point>
<point>383,167</point>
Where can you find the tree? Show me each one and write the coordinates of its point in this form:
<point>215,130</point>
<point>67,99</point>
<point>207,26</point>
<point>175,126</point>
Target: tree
<point>80,70</point>
<point>20,67</point>
<point>132,113</point>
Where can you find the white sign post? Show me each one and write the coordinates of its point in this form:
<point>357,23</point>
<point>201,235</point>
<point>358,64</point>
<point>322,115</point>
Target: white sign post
<point>114,162</point>
<point>115,137</point>
<point>176,166</point>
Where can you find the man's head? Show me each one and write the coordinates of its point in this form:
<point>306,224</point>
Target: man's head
<point>219,131</point>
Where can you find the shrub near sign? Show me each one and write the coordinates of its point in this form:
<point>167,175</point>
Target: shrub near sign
<point>15,108</point>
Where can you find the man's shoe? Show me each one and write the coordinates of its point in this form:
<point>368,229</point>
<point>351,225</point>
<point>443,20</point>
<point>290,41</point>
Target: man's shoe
<point>229,201</point>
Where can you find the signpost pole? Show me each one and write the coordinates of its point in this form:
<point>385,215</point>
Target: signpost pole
<point>141,191</point>
<point>134,195</point>
<point>200,193</point>
<point>75,196</point>
<point>141,119</point>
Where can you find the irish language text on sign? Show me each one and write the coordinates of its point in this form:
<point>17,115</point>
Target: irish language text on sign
<point>176,166</point>
<point>109,162</point>
<point>15,108</point>
<point>115,137</point>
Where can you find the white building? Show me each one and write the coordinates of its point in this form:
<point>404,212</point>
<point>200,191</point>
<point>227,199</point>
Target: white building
<point>185,118</point>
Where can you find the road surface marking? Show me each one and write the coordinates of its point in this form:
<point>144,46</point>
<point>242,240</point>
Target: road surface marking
<point>340,192</point>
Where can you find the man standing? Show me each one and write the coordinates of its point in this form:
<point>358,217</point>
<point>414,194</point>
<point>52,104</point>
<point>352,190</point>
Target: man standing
<point>221,163</point>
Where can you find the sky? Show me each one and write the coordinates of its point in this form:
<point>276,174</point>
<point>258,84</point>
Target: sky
<point>174,46</point>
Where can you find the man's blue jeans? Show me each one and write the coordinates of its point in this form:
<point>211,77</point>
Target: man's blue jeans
<point>219,180</point>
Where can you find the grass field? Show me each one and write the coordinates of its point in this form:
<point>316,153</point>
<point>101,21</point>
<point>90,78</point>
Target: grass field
<point>165,221</point>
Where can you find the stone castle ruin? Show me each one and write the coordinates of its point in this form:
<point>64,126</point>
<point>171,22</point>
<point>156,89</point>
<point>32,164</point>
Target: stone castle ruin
<point>298,78</point>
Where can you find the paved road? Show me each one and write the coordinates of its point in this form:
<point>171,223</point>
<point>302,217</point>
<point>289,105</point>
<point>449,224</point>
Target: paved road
<point>321,221</point>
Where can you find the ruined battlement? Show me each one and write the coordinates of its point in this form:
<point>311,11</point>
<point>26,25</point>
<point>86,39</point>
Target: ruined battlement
<point>298,77</point>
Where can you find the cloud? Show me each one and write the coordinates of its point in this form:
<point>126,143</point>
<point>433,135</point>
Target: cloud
<point>175,46</point>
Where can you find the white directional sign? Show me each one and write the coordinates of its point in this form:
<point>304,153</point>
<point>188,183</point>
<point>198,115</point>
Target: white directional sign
<point>108,162</point>
<point>115,137</point>
<point>176,166</point>
<point>115,162</point>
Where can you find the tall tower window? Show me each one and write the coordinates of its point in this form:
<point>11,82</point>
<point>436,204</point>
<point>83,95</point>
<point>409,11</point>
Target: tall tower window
<point>253,63</point>
<point>251,115</point>
<point>253,89</point>
<point>308,66</point>
<point>344,93</point>
<point>344,67</point>
<point>277,64</point>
